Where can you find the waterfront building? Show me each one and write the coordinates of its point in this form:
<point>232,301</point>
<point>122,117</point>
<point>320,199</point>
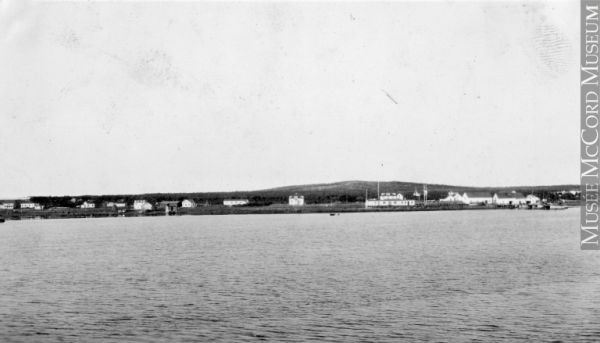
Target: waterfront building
<point>235,202</point>
<point>296,200</point>
<point>389,200</point>
<point>509,199</point>
<point>142,205</point>
<point>454,198</point>
<point>88,204</point>
<point>478,198</point>
<point>188,203</point>
<point>27,205</point>
<point>31,205</point>
<point>7,206</point>
<point>532,199</point>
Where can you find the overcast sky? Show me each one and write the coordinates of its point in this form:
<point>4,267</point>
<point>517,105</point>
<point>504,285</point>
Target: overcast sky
<point>105,98</point>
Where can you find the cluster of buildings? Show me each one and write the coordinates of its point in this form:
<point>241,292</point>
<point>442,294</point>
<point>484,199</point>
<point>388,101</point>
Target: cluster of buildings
<point>142,205</point>
<point>23,205</point>
<point>389,200</point>
<point>467,198</point>
<point>487,198</point>
<point>383,200</point>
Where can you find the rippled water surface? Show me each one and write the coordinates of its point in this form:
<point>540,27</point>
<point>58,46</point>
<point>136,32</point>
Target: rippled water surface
<point>438,276</point>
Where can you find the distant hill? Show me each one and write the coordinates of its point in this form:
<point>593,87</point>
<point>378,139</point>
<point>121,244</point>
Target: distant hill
<point>344,191</point>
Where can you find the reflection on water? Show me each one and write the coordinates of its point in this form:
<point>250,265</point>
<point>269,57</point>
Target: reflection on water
<point>459,276</point>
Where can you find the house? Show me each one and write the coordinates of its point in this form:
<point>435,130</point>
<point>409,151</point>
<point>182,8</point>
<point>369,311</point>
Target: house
<point>296,200</point>
<point>454,198</point>
<point>509,199</point>
<point>142,205</point>
<point>235,202</point>
<point>88,204</point>
<point>7,206</point>
<point>478,198</point>
<point>188,203</point>
<point>532,200</point>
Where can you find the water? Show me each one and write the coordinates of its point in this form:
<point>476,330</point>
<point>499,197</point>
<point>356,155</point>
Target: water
<point>438,276</point>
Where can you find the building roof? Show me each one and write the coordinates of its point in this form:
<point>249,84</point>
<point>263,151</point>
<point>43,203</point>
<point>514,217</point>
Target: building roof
<point>478,194</point>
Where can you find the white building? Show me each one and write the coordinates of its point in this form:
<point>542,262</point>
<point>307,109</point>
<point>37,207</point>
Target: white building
<point>27,205</point>
<point>7,206</point>
<point>142,205</point>
<point>389,200</point>
<point>454,198</point>
<point>296,200</point>
<point>235,202</point>
<point>532,199</point>
<point>478,198</point>
<point>509,199</point>
<point>31,205</point>
<point>88,204</point>
<point>188,203</point>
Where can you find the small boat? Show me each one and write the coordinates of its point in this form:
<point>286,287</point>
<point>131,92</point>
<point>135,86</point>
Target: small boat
<point>332,214</point>
<point>1,219</point>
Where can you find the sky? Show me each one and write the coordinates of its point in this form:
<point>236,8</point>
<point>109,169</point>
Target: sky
<point>115,98</point>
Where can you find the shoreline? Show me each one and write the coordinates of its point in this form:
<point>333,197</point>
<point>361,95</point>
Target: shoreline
<point>68,213</point>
